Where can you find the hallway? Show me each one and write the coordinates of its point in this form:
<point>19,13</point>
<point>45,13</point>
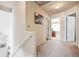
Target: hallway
<point>56,48</point>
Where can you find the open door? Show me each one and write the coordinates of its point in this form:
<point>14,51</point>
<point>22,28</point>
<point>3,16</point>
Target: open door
<point>70,28</point>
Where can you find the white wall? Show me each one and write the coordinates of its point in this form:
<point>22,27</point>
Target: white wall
<point>19,24</point>
<point>32,7</point>
<point>77,26</point>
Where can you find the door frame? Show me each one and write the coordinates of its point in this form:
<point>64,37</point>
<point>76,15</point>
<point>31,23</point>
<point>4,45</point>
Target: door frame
<point>51,25</point>
<point>66,25</point>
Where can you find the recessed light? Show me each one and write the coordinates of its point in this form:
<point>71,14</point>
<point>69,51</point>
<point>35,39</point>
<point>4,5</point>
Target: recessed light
<point>57,7</point>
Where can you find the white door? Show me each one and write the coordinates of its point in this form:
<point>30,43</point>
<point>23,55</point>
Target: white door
<point>70,28</point>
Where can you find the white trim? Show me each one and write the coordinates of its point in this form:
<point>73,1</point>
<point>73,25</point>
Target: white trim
<point>75,11</point>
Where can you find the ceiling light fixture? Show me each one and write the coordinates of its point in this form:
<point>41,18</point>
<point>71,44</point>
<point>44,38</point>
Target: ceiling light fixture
<point>57,7</point>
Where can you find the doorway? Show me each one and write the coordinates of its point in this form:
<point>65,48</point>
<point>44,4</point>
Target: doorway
<point>55,28</point>
<point>70,28</point>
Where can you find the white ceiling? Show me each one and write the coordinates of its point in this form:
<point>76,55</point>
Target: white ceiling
<point>50,7</point>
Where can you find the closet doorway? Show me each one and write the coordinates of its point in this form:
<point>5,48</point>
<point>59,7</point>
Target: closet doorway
<point>70,28</point>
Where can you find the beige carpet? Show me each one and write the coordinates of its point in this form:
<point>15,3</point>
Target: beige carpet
<point>56,48</point>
